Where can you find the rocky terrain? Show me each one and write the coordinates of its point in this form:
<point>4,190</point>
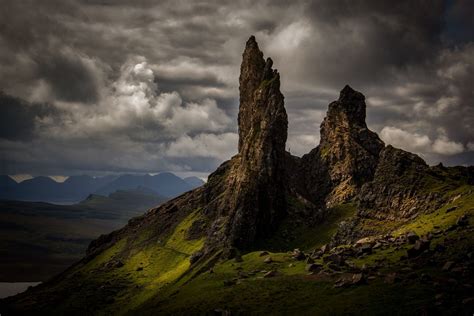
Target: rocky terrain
<point>353,227</point>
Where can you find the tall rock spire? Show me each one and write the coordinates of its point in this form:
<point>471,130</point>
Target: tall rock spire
<point>254,198</point>
<point>261,109</point>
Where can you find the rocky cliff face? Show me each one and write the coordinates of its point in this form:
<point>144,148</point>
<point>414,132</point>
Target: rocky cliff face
<point>347,155</point>
<point>254,197</point>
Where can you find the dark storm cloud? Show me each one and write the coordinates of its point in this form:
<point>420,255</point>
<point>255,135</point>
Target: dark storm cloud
<point>35,34</point>
<point>17,117</point>
<point>153,85</point>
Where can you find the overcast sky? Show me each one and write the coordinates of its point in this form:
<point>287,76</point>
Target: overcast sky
<point>99,86</point>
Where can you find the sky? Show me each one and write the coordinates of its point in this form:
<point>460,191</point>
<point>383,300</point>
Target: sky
<point>112,86</point>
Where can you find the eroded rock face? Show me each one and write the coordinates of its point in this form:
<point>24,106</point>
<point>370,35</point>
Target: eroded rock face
<point>347,155</point>
<point>254,198</point>
<point>397,189</point>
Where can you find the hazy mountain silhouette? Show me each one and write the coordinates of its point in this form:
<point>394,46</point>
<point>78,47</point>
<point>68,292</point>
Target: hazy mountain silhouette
<point>77,188</point>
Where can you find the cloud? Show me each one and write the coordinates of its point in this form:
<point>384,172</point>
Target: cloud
<point>90,102</point>
<point>420,143</point>
<point>405,140</point>
<point>444,146</point>
<point>18,118</point>
<point>132,128</point>
<point>221,146</point>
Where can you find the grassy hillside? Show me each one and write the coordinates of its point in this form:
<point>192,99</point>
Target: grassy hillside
<point>149,276</point>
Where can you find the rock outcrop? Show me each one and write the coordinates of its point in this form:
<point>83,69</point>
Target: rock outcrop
<point>254,197</point>
<point>347,155</point>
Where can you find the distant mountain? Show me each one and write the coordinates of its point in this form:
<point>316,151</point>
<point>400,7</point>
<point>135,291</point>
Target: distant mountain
<point>41,188</point>
<point>166,184</point>
<point>7,185</point>
<point>194,181</point>
<point>124,203</point>
<point>77,188</point>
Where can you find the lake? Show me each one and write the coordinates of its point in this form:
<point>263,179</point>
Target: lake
<point>12,288</point>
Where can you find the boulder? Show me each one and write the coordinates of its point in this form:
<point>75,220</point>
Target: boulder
<point>450,209</point>
<point>324,248</point>
<point>412,237</point>
<point>309,260</point>
<point>270,274</point>
<point>448,266</point>
<point>463,221</point>
<point>335,258</point>
<point>195,257</point>
<point>420,246</point>
<point>312,267</point>
<point>230,282</point>
<point>391,278</point>
<point>298,255</point>
<point>358,278</point>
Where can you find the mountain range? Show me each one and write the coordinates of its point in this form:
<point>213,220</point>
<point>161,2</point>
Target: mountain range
<point>353,227</point>
<point>77,188</point>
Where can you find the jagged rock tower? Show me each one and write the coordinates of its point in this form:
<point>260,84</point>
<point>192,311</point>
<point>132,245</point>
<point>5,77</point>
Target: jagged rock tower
<point>254,198</point>
<point>347,155</point>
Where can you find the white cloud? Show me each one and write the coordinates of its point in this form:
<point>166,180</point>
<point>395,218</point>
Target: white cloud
<point>301,144</point>
<point>134,127</point>
<point>221,146</point>
<point>405,140</point>
<point>444,146</point>
<point>420,143</point>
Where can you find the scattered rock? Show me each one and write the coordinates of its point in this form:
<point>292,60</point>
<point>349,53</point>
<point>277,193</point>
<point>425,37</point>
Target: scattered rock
<point>334,266</point>
<point>463,221</point>
<point>195,257</point>
<point>341,283</point>
<point>324,249</point>
<point>268,260</point>
<point>312,267</point>
<point>448,265</point>
<point>420,246</point>
<point>458,270</point>
<point>412,237</point>
<point>114,264</point>
<point>230,282</point>
<point>242,275</point>
<point>309,260</point>
<point>270,274</point>
<point>450,209</point>
<point>358,278</point>
<point>298,255</point>
<point>366,248</point>
<point>221,312</point>
<point>391,278</point>
<point>335,259</point>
